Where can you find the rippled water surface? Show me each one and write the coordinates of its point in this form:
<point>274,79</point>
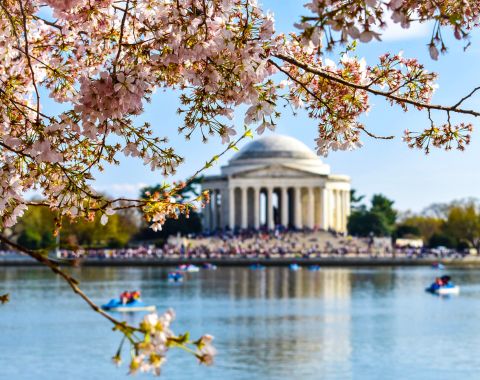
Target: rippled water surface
<point>271,324</point>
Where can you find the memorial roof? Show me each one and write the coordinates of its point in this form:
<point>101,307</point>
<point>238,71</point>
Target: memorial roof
<point>275,146</point>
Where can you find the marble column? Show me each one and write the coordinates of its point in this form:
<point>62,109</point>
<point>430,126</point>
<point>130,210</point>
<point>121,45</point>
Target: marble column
<point>311,208</point>
<point>346,208</point>
<point>244,207</point>
<point>256,208</point>
<point>298,207</point>
<point>270,208</point>
<point>284,208</point>
<point>224,207</point>
<point>213,224</point>
<point>338,209</point>
<point>231,208</point>
<point>325,209</point>
<point>218,209</point>
<point>342,215</point>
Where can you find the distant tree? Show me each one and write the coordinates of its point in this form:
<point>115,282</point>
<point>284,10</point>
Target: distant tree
<point>407,231</point>
<point>379,220</point>
<point>441,210</point>
<point>442,240</point>
<point>463,224</point>
<point>356,200</point>
<point>383,206</point>
<point>437,210</point>
<point>424,226</point>
<point>35,230</point>
<point>117,233</point>
<point>364,223</point>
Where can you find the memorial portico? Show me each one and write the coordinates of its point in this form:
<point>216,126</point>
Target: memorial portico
<point>273,181</point>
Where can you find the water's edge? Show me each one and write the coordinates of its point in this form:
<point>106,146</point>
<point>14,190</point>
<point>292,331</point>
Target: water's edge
<point>470,261</point>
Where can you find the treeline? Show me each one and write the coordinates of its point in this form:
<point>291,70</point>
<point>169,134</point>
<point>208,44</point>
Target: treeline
<point>35,230</point>
<point>452,225</point>
<point>126,227</point>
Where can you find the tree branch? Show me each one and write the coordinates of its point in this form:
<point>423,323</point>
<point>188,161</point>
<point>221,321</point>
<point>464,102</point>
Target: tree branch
<point>335,78</point>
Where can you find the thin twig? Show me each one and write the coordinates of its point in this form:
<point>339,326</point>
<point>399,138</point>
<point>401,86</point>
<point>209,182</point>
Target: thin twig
<point>374,135</point>
<point>466,97</point>
<point>32,72</point>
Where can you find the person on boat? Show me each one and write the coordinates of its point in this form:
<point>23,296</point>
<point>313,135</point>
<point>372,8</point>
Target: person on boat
<point>135,296</point>
<point>446,281</point>
<point>125,297</point>
<point>437,284</point>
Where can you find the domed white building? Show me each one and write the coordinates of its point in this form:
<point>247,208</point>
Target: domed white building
<point>277,180</point>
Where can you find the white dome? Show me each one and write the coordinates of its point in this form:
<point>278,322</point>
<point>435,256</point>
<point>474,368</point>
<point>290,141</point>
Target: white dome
<point>275,146</point>
<point>275,150</point>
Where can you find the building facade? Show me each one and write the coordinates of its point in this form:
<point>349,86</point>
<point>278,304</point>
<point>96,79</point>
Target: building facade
<point>277,180</point>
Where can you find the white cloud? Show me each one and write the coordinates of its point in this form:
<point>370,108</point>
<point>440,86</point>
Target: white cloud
<point>131,190</point>
<point>394,32</point>
<point>121,189</point>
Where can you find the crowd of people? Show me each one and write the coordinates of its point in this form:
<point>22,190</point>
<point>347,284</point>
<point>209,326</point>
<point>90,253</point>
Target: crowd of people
<point>253,244</point>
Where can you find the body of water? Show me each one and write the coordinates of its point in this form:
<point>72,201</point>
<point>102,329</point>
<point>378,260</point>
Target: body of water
<point>271,324</point>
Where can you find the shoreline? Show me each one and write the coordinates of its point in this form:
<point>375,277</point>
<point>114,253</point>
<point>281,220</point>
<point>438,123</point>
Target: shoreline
<point>468,261</point>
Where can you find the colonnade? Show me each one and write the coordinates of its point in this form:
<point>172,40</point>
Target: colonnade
<point>242,207</point>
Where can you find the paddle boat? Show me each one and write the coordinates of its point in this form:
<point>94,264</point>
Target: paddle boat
<point>295,267</point>
<point>175,276</point>
<point>128,302</point>
<point>314,268</point>
<point>257,267</point>
<point>438,266</point>
<point>188,268</point>
<point>209,266</point>
<point>443,286</point>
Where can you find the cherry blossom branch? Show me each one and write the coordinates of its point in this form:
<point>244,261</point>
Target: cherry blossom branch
<point>334,78</point>
<point>315,96</point>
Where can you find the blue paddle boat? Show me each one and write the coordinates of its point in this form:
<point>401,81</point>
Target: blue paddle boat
<point>295,267</point>
<point>175,276</point>
<point>314,268</point>
<point>188,268</point>
<point>257,267</point>
<point>135,305</point>
<point>443,286</point>
<point>209,266</point>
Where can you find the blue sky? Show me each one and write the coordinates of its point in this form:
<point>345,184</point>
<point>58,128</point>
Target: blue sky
<point>411,178</point>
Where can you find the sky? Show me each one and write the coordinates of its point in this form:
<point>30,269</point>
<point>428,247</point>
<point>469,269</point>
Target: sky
<point>409,177</point>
